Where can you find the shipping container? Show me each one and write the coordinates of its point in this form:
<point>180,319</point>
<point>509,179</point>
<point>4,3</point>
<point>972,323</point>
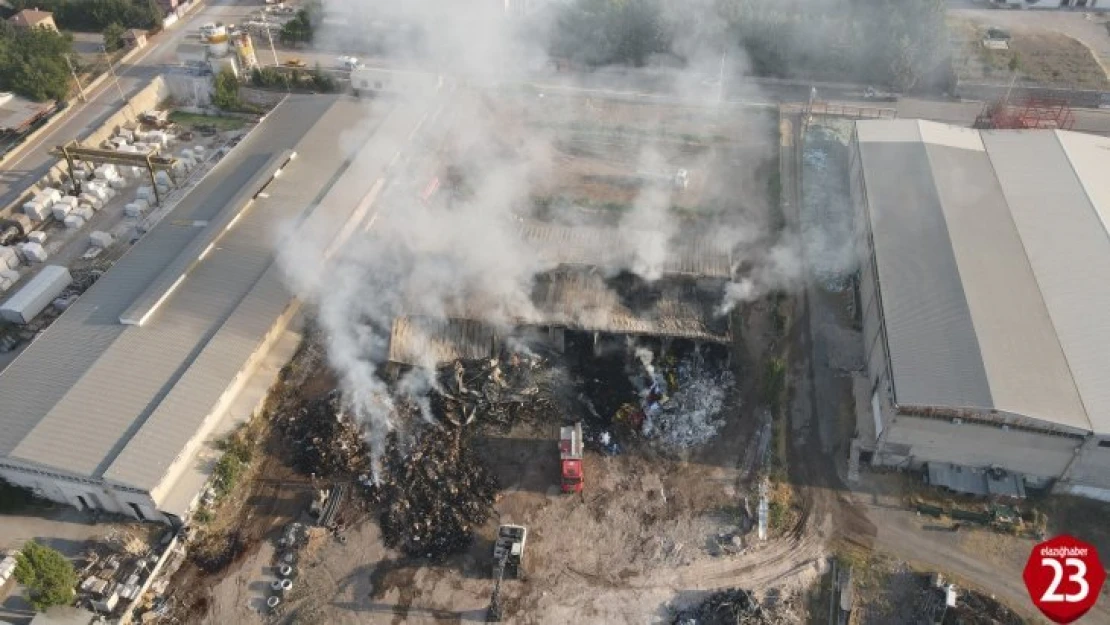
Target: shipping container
<point>36,295</point>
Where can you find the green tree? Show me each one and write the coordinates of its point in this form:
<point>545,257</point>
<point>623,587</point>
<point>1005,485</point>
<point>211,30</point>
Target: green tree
<point>33,62</point>
<point>297,30</point>
<point>113,37</point>
<point>323,81</point>
<point>96,15</point>
<point>225,93</point>
<point>47,574</point>
<point>605,32</point>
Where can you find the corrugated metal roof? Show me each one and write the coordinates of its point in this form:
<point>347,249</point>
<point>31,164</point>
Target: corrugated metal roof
<point>425,342</point>
<point>1069,250</point>
<point>610,247</point>
<point>998,280</point>
<point>933,348</point>
<point>76,397</point>
<point>582,300</point>
<point>992,255</point>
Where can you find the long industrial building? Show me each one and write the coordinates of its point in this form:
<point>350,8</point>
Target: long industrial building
<point>111,407</point>
<point>984,277</point>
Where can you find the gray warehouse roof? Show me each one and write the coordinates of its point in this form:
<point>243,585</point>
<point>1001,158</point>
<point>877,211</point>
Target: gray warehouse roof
<point>97,398</point>
<point>993,260</point>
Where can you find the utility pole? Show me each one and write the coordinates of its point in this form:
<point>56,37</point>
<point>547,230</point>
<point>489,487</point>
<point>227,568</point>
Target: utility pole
<point>115,79</point>
<point>76,79</point>
<point>270,37</point>
<point>721,78</point>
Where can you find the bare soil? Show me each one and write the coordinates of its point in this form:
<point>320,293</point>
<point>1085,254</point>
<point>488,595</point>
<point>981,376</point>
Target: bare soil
<point>1044,57</point>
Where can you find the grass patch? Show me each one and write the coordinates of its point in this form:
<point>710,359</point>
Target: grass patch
<point>238,450</point>
<point>1036,56</point>
<point>783,509</point>
<point>219,122</point>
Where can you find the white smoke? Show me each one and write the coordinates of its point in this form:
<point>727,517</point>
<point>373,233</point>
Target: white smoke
<point>460,255</point>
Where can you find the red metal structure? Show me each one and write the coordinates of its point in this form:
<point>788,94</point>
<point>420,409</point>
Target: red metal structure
<point>570,457</point>
<point>1027,113</point>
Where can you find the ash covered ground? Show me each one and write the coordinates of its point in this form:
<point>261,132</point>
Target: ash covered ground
<point>432,488</point>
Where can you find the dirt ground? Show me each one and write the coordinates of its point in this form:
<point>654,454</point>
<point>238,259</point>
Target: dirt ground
<point>1043,57</point>
<point>654,530</point>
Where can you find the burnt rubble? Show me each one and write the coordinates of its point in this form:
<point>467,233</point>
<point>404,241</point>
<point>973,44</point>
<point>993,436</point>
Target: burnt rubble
<point>725,607</point>
<point>434,493</point>
<point>326,442</point>
<point>434,490</point>
<point>496,391</point>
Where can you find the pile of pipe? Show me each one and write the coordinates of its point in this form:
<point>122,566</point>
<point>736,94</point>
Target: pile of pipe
<point>433,493</point>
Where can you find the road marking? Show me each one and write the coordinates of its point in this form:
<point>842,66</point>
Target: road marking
<point>370,224</point>
<point>418,125</point>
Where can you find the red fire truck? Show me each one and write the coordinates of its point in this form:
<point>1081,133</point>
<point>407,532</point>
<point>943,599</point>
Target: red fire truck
<point>570,457</point>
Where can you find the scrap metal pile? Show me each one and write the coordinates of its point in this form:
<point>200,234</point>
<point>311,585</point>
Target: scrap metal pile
<point>498,391</point>
<point>434,494</point>
<point>433,488</point>
<point>684,400</point>
<point>326,441</point>
<point>726,607</point>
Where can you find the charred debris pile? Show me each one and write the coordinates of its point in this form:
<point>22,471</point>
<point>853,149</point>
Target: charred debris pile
<point>433,494</point>
<point>433,488</point>
<point>726,607</point>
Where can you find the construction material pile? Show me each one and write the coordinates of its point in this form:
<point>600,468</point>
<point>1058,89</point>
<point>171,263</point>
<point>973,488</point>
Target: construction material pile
<point>434,493</point>
<point>726,607</point>
<point>683,400</point>
<point>326,441</point>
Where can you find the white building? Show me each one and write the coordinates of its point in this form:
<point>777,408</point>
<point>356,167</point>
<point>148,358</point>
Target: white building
<point>115,405</point>
<point>984,281</point>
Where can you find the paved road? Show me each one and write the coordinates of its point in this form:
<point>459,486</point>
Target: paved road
<point>32,160</point>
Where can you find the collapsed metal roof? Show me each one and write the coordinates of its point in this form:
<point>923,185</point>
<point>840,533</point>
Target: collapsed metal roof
<point>584,300</point>
<point>614,248</point>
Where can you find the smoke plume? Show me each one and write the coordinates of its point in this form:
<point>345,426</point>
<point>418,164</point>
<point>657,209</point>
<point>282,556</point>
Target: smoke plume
<point>459,254</point>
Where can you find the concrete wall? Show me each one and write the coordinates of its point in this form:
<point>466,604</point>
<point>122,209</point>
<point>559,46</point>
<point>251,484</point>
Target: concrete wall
<point>188,90</point>
<point>67,489</point>
<point>909,441</point>
<point>1091,468</point>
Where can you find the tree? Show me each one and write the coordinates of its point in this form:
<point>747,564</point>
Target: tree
<point>94,15</point>
<point>225,93</point>
<point>297,30</point>
<point>323,81</point>
<point>47,574</point>
<point>113,37</point>
<point>605,32</point>
<point>33,62</point>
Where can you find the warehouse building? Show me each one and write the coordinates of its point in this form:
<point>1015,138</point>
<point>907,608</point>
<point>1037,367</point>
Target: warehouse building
<point>984,278</point>
<point>115,405</point>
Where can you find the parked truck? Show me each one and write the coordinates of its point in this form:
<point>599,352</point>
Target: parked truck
<point>570,458</point>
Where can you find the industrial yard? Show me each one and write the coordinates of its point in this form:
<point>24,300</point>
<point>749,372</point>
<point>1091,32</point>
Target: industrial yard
<point>459,347</point>
<point>669,501</point>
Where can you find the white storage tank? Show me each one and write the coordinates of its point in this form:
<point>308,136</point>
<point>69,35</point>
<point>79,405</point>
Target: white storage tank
<point>36,295</point>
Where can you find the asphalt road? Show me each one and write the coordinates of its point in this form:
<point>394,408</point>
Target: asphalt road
<point>32,160</point>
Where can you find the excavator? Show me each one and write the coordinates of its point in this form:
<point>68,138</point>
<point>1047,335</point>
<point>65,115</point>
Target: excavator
<point>508,559</point>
